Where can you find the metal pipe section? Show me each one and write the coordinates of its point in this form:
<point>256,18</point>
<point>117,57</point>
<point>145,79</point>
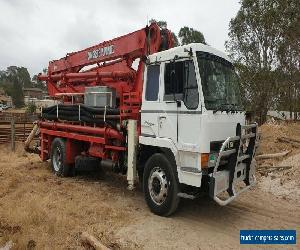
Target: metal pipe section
<point>108,132</point>
<point>91,74</point>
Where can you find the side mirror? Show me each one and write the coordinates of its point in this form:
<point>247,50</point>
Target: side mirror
<point>190,51</point>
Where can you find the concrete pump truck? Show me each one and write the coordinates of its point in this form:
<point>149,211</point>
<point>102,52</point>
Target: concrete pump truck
<point>175,124</point>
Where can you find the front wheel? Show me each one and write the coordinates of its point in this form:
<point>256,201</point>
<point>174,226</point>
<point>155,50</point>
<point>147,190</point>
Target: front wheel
<point>160,185</point>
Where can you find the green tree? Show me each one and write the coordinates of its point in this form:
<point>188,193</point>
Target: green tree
<point>176,42</point>
<point>24,77</point>
<point>21,74</point>
<point>17,94</point>
<point>31,108</point>
<point>288,53</point>
<point>13,80</point>
<point>255,38</point>
<point>189,35</point>
<point>163,24</point>
<point>38,83</point>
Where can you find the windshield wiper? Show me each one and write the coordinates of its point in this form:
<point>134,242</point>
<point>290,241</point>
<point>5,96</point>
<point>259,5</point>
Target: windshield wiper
<point>221,107</point>
<point>232,108</point>
<point>235,108</point>
<point>227,107</point>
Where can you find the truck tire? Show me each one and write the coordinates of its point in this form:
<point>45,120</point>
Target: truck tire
<point>58,156</point>
<point>160,185</point>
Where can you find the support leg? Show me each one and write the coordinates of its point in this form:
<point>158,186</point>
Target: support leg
<point>132,151</point>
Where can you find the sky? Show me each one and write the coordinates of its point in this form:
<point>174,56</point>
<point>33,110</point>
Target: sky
<point>33,32</point>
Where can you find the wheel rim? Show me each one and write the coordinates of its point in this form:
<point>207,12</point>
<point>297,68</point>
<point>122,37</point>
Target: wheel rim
<point>158,185</point>
<point>57,159</point>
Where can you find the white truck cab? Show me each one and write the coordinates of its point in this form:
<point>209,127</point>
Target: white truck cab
<point>191,107</point>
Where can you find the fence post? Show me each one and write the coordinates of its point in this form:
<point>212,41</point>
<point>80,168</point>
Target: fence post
<point>13,134</point>
<point>24,131</point>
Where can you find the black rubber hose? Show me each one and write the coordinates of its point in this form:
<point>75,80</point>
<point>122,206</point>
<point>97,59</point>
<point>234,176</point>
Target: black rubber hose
<point>63,113</point>
<point>71,113</point>
<point>101,122</point>
<point>47,109</point>
<point>93,110</point>
<point>50,109</point>
<point>101,110</point>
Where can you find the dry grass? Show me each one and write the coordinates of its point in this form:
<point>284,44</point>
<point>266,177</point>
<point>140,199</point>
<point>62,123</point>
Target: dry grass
<point>39,209</point>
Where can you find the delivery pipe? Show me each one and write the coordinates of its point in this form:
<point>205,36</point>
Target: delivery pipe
<point>109,132</point>
<point>84,75</point>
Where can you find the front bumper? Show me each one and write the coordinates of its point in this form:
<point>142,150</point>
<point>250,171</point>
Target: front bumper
<point>240,166</point>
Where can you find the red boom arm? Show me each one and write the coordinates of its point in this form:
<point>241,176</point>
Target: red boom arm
<point>113,61</point>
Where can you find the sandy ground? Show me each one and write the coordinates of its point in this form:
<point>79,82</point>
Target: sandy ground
<point>41,211</point>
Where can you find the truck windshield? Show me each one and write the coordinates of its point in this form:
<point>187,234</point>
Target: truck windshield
<point>220,83</point>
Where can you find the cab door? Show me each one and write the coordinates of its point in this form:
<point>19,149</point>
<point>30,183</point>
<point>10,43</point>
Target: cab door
<point>180,120</point>
<point>151,103</point>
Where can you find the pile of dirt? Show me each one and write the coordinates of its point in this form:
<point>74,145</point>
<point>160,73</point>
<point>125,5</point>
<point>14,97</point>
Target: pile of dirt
<point>270,134</point>
<point>280,176</point>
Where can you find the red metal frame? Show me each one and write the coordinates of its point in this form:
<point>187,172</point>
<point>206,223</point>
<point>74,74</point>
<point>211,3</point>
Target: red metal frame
<point>113,68</point>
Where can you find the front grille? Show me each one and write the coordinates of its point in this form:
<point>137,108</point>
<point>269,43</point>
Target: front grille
<point>215,146</point>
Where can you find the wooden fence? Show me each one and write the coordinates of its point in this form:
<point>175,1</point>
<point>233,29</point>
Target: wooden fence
<point>19,131</point>
<point>15,126</point>
<point>17,117</point>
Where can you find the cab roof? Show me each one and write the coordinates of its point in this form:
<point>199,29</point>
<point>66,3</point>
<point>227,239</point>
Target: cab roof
<point>182,51</point>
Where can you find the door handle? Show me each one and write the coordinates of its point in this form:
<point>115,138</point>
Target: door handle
<point>161,120</point>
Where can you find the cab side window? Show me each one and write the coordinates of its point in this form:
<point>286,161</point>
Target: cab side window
<point>152,84</point>
<point>181,83</point>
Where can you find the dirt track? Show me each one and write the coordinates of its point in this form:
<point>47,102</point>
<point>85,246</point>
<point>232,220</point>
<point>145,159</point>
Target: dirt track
<point>42,210</point>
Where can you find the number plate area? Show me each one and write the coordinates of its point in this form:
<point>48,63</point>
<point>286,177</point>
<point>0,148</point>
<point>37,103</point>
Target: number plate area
<point>222,178</point>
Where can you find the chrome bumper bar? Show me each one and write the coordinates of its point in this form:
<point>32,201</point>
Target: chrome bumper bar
<point>239,166</point>
<point>231,198</point>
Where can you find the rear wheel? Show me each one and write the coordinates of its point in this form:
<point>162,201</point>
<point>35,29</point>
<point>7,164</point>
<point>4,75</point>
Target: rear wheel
<point>160,185</point>
<point>58,158</point>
